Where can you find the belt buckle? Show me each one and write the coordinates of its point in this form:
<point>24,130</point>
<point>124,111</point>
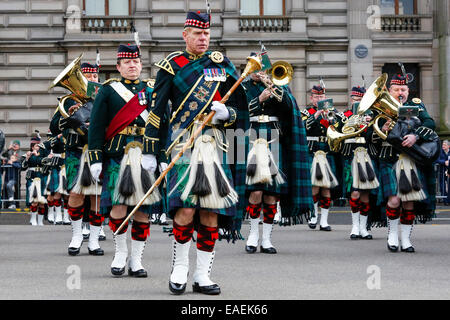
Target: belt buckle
<point>133,130</point>
<point>263,118</point>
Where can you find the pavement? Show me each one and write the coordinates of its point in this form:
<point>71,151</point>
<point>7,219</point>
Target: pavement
<point>310,265</point>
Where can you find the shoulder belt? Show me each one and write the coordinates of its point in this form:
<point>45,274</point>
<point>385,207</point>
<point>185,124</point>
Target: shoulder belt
<point>127,95</point>
<point>165,63</point>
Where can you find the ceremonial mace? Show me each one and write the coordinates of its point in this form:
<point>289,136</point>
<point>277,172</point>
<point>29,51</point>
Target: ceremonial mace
<point>253,64</point>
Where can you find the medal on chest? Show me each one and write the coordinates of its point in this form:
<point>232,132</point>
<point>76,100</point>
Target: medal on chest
<point>215,74</point>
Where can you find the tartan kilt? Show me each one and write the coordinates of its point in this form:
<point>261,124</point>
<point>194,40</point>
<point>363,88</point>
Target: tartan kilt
<point>174,198</point>
<point>111,169</point>
<point>72,162</point>
<point>30,181</point>
<point>388,180</point>
<point>276,148</point>
<point>330,156</point>
<point>53,180</point>
<point>347,183</point>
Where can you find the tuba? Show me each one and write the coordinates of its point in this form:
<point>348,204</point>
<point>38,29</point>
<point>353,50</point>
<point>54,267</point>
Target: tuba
<point>72,79</point>
<point>377,97</point>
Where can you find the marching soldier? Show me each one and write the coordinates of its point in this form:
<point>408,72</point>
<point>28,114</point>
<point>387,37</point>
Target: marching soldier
<point>35,181</point>
<point>201,187</point>
<point>360,170</point>
<point>278,142</point>
<point>116,144</point>
<point>408,187</point>
<point>55,186</point>
<point>323,170</point>
<point>72,120</point>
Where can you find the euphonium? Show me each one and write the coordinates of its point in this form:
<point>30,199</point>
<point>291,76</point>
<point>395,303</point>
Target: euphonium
<point>72,79</point>
<point>352,128</point>
<point>377,97</point>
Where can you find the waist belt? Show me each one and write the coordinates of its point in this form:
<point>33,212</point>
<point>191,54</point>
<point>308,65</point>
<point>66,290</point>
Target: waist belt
<point>133,131</point>
<point>263,118</point>
<point>35,169</point>
<point>318,139</point>
<point>59,155</point>
<point>356,140</point>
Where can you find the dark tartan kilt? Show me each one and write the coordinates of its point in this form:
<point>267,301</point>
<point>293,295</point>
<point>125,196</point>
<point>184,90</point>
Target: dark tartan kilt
<point>72,163</point>
<point>388,180</point>
<point>264,130</point>
<point>347,180</point>
<point>53,182</point>
<point>111,169</point>
<point>174,199</point>
<point>330,155</point>
<point>28,184</point>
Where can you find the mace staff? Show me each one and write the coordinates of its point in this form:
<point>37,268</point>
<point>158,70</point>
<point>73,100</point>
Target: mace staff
<point>253,64</point>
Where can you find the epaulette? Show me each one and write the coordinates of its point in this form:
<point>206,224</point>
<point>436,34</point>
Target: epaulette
<point>150,82</point>
<point>165,63</point>
<point>110,80</point>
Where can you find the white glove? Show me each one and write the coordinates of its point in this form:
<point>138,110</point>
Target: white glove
<point>149,162</point>
<point>221,110</point>
<point>163,166</point>
<point>96,170</point>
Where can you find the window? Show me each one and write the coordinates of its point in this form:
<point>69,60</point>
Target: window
<point>398,7</point>
<point>263,7</point>
<point>107,7</point>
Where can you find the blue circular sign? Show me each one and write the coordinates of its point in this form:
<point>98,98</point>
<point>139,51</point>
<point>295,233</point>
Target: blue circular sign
<point>361,51</point>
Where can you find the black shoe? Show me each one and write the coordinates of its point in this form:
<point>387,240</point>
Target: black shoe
<point>355,237</point>
<point>177,288</point>
<point>250,249</point>
<point>270,250</point>
<point>213,289</point>
<point>368,237</point>
<point>118,271</point>
<point>409,249</point>
<point>86,236</point>
<point>392,248</point>
<point>66,223</point>
<point>165,223</point>
<point>96,252</point>
<point>141,273</point>
<point>73,251</point>
<point>327,228</point>
<point>101,238</point>
<point>312,225</point>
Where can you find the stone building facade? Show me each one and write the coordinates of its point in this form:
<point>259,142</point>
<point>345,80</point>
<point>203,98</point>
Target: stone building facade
<point>338,40</point>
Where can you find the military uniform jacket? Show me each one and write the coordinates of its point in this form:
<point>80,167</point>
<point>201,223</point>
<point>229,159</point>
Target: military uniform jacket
<point>316,129</point>
<point>106,105</point>
<point>270,107</point>
<point>160,128</point>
